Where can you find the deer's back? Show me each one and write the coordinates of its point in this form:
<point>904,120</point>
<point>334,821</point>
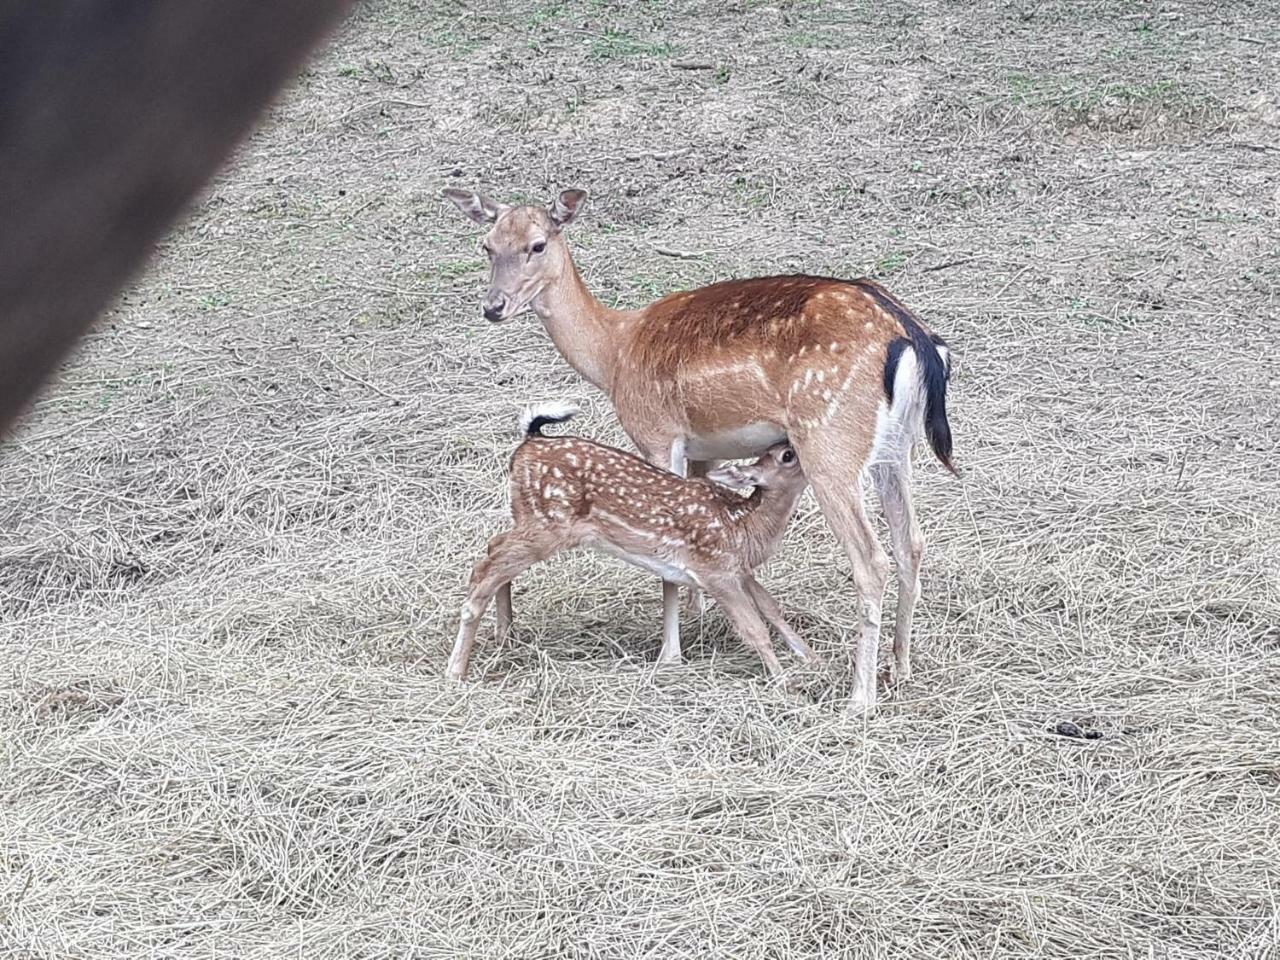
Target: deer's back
<point>602,496</point>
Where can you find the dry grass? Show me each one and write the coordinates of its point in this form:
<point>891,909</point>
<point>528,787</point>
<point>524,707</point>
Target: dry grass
<point>235,532</point>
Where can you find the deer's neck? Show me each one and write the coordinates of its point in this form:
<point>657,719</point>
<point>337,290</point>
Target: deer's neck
<point>768,512</point>
<point>584,330</point>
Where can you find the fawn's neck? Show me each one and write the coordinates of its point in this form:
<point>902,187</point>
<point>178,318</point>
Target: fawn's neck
<point>767,513</point>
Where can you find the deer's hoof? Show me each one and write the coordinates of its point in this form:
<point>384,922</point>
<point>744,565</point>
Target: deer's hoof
<point>860,705</point>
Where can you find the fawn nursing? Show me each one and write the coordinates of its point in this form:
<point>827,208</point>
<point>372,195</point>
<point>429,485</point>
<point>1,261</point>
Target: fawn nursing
<point>567,492</point>
<point>840,369</point>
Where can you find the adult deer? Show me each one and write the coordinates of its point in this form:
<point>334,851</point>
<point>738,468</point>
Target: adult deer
<point>840,368</point>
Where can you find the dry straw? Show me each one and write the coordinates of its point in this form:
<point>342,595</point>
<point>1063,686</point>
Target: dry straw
<point>233,536</point>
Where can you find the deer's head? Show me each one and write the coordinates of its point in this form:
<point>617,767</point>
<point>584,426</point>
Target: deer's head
<point>777,469</point>
<point>524,244</point>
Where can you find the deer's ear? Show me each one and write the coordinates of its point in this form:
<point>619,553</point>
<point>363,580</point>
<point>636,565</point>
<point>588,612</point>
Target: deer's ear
<point>476,205</point>
<point>566,207</point>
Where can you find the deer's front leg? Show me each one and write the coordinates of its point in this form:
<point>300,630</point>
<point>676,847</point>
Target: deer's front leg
<point>670,653</point>
<point>699,468</point>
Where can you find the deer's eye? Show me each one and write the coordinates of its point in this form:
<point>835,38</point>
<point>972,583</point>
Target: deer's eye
<point>538,247</point>
<point>788,456</point>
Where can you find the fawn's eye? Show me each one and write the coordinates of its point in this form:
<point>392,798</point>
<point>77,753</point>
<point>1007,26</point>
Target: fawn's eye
<point>538,247</point>
<point>788,456</point>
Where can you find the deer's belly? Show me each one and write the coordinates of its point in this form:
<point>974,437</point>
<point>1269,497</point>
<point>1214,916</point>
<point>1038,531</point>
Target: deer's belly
<point>643,557</point>
<point>675,573</point>
<point>734,443</point>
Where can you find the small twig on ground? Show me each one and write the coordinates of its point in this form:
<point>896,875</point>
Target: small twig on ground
<point>682,254</point>
<point>1010,282</point>
<point>1246,145</point>
<point>360,380</point>
<point>377,105</point>
<point>657,154</point>
<point>949,263</point>
<point>692,65</point>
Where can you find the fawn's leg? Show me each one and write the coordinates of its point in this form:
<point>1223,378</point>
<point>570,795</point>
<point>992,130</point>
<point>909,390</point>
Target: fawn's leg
<point>741,610</point>
<point>768,606</point>
<point>509,554</point>
<point>502,613</point>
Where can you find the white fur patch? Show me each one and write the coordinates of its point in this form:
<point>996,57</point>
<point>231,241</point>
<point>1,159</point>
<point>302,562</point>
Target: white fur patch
<point>749,440</point>
<point>552,411</point>
<point>900,427</point>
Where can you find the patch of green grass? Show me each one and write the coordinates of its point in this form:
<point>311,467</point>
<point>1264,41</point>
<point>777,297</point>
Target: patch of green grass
<point>891,263</point>
<point>212,301</point>
<point>619,44</point>
<point>1083,94</point>
<point>1023,87</point>
<point>114,390</point>
<point>753,191</point>
<point>457,42</point>
<point>548,12</point>
<point>814,40</point>
<point>454,269</point>
<point>380,71</point>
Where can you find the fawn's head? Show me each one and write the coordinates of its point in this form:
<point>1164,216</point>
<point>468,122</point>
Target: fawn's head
<point>525,248</point>
<point>777,470</point>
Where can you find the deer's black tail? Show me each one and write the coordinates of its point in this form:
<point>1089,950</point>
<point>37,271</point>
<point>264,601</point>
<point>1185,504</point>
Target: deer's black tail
<point>536,416</point>
<point>933,362</point>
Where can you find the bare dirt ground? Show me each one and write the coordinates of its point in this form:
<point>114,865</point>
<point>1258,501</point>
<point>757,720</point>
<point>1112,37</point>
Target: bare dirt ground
<point>234,533</point>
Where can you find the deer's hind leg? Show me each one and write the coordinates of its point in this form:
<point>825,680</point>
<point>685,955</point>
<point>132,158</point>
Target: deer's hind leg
<point>740,608</point>
<point>835,473</point>
<point>893,483</point>
<point>508,555</point>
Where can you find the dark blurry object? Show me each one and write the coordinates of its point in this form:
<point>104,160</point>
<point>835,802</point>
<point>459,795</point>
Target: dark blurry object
<point>112,115</point>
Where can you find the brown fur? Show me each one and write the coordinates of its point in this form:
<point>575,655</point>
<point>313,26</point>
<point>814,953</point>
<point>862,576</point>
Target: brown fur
<point>727,370</point>
<point>579,483</point>
<point>568,493</point>
<point>781,313</point>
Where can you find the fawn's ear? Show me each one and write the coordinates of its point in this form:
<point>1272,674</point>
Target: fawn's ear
<point>732,476</point>
<point>567,206</point>
<point>476,205</point>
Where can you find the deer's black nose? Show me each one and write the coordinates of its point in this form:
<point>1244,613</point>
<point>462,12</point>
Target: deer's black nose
<point>494,306</point>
